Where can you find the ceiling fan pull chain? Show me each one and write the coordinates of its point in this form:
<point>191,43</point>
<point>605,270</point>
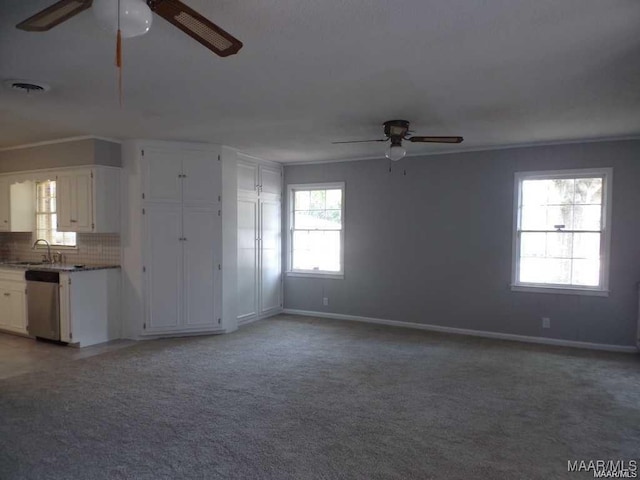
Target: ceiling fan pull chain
<point>119,56</point>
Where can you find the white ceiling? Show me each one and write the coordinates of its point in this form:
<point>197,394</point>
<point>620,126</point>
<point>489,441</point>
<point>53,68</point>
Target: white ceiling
<point>498,72</point>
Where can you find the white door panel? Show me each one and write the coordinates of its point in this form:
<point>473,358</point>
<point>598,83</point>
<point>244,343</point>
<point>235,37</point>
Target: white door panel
<point>200,169</point>
<point>82,202</point>
<point>247,258</point>
<point>270,265</point>
<point>163,263</point>
<point>271,180</point>
<point>162,176</point>
<point>64,202</point>
<point>247,176</point>
<point>200,226</point>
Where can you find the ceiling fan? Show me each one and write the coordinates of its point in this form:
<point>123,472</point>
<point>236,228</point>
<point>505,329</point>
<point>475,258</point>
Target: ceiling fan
<point>397,130</point>
<point>174,11</point>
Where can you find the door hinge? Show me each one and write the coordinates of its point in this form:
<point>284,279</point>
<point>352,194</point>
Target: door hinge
<point>91,174</point>
<point>144,269</point>
<point>69,280</point>
<point>143,196</point>
<point>142,152</point>
<point>219,212</point>
<point>93,226</point>
<point>219,267</point>
<point>70,335</point>
<point>144,326</point>
<point>218,157</point>
<point>143,212</point>
<point>219,198</point>
<point>219,321</point>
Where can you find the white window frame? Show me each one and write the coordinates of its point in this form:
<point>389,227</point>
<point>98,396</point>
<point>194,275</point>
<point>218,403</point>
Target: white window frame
<point>605,245</point>
<point>34,234</point>
<point>291,189</point>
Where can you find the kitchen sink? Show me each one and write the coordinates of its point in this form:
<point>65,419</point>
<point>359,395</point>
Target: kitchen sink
<point>25,263</point>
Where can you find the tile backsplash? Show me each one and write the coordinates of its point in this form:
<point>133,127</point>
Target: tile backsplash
<point>92,249</point>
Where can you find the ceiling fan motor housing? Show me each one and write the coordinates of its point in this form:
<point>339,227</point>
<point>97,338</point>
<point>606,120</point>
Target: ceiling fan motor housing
<point>396,129</point>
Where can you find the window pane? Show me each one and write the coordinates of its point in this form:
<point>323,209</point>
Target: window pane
<point>587,217</point>
<point>318,219</point>
<point>560,215</point>
<point>46,221</point>
<point>589,190</point>
<point>302,200</point>
<point>534,218</point>
<point>318,199</point>
<point>586,273</point>
<point>559,245</point>
<point>534,192</point>
<point>533,244</point>
<point>334,199</point>
<point>560,191</point>
<point>586,245</point>
<point>545,270</point>
<point>316,250</point>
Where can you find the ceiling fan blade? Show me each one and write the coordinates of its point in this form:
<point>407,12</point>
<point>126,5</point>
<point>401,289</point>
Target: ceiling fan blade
<point>362,141</point>
<point>436,139</point>
<point>196,26</point>
<point>54,15</point>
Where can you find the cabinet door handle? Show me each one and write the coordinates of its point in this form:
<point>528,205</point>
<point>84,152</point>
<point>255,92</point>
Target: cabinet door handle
<point>7,294</point>
<point>73,221</point>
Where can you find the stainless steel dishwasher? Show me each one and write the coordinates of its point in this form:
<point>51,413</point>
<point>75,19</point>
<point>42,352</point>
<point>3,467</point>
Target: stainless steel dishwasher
<point>43,304</point>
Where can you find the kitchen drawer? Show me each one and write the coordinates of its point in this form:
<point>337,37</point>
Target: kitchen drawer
<point>11,275</point>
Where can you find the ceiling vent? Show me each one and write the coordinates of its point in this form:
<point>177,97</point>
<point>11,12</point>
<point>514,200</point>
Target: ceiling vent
<point>26,86</point>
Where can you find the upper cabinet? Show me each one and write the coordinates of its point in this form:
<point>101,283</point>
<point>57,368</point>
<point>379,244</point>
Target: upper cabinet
<point>87,200</point>
<point>17,205</point>
<point>259,178</point>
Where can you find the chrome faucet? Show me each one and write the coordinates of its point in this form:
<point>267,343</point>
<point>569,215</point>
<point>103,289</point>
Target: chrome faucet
<point>49,258</point>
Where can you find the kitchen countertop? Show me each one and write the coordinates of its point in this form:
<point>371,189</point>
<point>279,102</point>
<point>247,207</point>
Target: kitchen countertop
<point>56,267</point>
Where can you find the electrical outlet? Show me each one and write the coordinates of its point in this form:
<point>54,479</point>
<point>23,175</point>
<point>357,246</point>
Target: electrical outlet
<point>325,301</point>
<point>546,322</point>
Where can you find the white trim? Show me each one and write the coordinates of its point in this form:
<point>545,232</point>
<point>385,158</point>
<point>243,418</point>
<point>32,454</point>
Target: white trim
<point>475,149</point>
<point>60,140</point>
<point>465,331</point>
<point>605,248</point>
<point>291,188</point>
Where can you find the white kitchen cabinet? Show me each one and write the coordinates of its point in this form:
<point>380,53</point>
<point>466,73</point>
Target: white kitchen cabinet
<point>13,301</point>
<point>259,240</point>
<point>17,205</point>
<point>90,307</point>
<point>87,200</point>
<point>182,231</point>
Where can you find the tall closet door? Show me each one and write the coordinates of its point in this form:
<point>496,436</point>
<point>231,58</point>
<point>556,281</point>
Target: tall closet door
<point>163,265</point>
<point>247,258</point>
<point>200,233</point>
<point>270,268</point>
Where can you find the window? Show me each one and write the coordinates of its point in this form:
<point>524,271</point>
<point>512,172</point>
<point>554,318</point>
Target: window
<point>562,231</point>
<point>46,218</point>
<point>316,240</point>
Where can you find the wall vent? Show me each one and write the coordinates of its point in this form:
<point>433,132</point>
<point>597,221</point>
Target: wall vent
<point>27,86</point>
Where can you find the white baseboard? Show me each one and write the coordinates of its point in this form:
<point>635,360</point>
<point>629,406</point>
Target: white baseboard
<point>262,317</point>
<point>465,331</point>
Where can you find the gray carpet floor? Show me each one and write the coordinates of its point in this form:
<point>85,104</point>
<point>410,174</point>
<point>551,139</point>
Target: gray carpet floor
<point>303,398</point>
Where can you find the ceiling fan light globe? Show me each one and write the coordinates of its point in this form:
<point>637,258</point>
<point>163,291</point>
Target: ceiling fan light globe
<point>395,152</point>
<point>135,16</point>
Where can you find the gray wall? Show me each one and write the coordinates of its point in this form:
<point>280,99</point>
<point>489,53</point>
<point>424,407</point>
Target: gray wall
<point>434,246</point>
<point>65,154</point>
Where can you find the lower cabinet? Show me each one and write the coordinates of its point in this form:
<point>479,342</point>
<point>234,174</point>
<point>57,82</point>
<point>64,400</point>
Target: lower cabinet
<point>13,303</point>
<point>90,306</point>
<point>181,270</point>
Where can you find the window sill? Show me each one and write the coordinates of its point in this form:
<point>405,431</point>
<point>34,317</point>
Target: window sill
<point>559,290</point>
<point>335,276</point>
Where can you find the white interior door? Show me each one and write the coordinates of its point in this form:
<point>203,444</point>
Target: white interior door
<point>162,181</point>
<point>270,260</point>
<point>247,258</point>
<point>163,264</point>
<point>82,202</point>
<point>271,180</point>
<point>200,169</point>
<point>200,265</point>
